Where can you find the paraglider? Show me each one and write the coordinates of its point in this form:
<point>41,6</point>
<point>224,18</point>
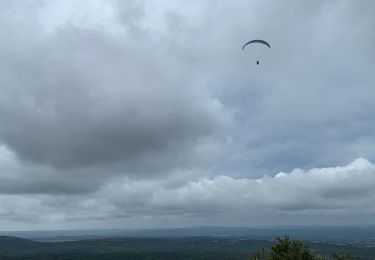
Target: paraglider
<point>256,41</point>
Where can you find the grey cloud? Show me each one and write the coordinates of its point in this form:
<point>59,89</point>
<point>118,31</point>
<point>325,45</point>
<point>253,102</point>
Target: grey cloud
<point>333,191</point>
<point>336,190</point>
<point>127,85</point>
<point>157,96</point>
<point>80,98</point>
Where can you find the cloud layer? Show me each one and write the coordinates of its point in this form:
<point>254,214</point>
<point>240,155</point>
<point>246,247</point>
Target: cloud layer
<point>112,109</point>
<point>338,191</point>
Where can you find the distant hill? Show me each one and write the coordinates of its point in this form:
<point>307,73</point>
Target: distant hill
<point>189,247</point>
<point>348,234</point>
<point>7,242</point>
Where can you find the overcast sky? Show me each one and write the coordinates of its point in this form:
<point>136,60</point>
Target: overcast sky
<point>149,114</point>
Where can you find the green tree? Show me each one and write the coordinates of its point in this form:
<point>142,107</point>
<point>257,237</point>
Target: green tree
<point>287,249</point>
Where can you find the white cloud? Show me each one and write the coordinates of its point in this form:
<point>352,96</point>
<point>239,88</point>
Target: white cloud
<point>336,191</point>
<point>94,14</point>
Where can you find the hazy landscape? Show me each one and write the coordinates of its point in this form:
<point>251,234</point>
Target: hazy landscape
<point>181,243</point>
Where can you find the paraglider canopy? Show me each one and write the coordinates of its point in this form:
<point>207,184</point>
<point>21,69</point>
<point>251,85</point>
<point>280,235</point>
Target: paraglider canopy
<point>256,41</point>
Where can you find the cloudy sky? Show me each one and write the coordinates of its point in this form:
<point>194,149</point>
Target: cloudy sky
<point>149,114</point>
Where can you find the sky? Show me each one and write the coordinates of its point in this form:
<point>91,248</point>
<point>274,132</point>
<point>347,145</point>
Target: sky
<point>118,114</point>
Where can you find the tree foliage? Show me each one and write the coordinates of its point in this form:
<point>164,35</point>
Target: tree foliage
<point>288,249</point>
